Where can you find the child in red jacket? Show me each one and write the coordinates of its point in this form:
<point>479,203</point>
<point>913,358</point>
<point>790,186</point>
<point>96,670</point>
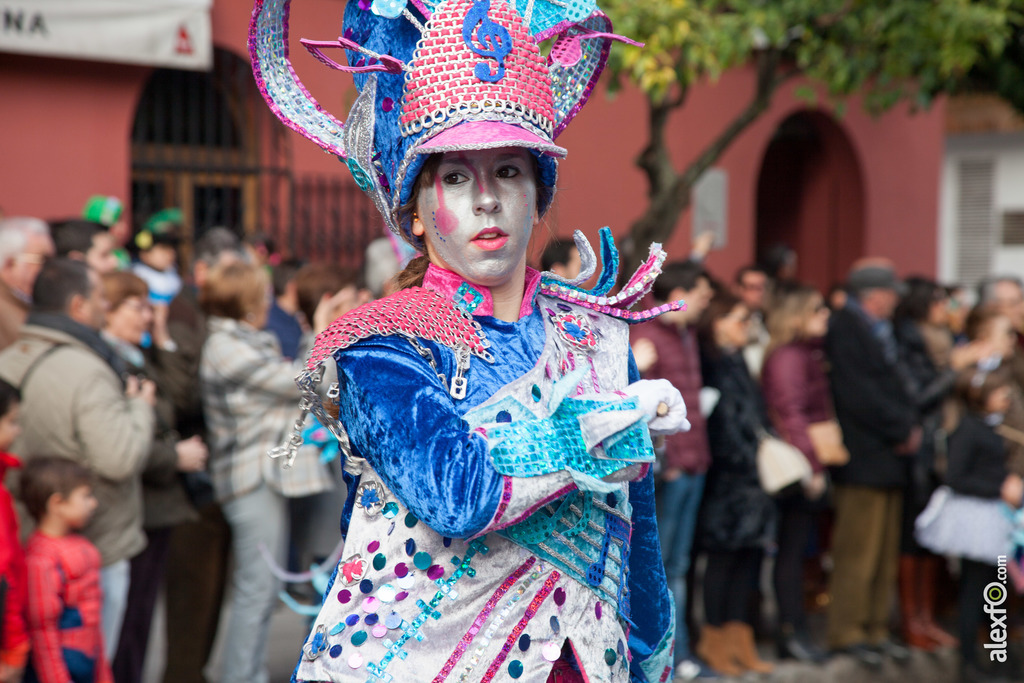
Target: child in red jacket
<point>13,633</point>
<point>64,594</point>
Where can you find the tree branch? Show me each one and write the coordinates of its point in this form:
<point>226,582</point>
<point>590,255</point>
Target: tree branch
<point>667,203</point>
<point>655,160</point>
<point>768,81</point>
<point>830,19</point>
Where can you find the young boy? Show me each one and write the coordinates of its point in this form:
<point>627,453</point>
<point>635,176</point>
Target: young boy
<point>157,243</point>
<point>64,595</point>
<point>13,633</point>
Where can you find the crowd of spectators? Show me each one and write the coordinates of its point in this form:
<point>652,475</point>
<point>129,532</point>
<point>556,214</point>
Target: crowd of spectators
<point>905,402</point>
<point>140,396</point>
<point>141,405</point>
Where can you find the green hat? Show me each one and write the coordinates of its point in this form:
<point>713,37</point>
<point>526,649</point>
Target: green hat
<point>163,227</point>
<point>102,209</point>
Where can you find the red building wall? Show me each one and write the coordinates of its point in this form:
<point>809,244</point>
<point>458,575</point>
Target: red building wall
<point>66,126</point>
<point>65,133</point>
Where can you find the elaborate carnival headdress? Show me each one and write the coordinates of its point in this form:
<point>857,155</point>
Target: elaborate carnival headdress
<point>437,76</point>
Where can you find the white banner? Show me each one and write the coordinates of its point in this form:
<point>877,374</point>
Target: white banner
<point>169,33</point>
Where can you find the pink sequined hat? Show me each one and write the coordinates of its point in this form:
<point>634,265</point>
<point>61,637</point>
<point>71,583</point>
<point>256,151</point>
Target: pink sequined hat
<point>478,81</point>
<point>436,76</point>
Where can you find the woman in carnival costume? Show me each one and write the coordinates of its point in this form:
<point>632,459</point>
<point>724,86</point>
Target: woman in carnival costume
<point>501,523</point>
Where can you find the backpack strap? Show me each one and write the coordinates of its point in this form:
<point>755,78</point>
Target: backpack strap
<point>37,362</point>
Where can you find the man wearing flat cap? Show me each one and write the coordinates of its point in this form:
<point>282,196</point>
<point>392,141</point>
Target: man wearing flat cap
<point>879,428</point>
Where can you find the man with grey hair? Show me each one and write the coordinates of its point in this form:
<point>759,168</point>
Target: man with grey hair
<point>1006,293</point>
<point>25,244</point>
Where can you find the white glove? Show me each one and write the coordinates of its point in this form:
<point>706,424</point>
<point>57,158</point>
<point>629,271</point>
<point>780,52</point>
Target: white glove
<point>655,393</point>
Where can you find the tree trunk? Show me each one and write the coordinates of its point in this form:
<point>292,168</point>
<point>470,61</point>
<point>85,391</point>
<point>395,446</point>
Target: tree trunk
<point>668,200</point>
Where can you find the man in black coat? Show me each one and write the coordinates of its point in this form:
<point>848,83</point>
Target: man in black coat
<point>880,430</point>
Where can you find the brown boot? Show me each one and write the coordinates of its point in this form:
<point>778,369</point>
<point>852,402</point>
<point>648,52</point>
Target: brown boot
<point>928,573</point>
<point>715,651</point>
<point>741,636</point>
<point>911,624</point>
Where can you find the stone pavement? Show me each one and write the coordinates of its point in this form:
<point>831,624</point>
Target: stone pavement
<point>937,667</point>
<point>287,633</point>
<point>288,630</point>
<point>923,668</point>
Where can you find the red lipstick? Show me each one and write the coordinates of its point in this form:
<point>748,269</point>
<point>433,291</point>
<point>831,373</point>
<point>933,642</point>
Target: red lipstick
<point>490,239</point>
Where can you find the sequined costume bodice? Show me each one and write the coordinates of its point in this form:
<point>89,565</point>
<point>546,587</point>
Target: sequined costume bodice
<point>482,536</point>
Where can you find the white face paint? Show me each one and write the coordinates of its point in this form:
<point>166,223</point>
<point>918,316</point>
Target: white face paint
<point>478,214</point>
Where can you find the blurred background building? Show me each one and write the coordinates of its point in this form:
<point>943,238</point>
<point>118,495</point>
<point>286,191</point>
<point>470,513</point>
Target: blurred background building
<point>982,216</point>
<point>179,122</point>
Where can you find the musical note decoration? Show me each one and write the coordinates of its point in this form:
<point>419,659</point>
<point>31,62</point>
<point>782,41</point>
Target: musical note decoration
<point>492,41</point>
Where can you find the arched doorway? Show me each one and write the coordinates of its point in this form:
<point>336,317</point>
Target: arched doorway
<point>207,143</point>
<point>810,197</point>
<point>204,142</point>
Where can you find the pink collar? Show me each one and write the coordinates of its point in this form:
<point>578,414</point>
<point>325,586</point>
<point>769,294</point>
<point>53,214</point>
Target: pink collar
<point>476,298</point>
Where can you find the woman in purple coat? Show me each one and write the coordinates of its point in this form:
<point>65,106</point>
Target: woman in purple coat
<point>796,393</point>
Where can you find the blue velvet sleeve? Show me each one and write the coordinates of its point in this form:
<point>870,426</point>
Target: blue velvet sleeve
<point>404,422</point>
<point>652,636</point>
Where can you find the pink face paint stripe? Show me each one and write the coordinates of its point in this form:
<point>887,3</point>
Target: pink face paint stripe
<point>478,623</point>
<point>445,221</point>
<point>473,170</point>
<point>479,178</point>
<point>535,604</point>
